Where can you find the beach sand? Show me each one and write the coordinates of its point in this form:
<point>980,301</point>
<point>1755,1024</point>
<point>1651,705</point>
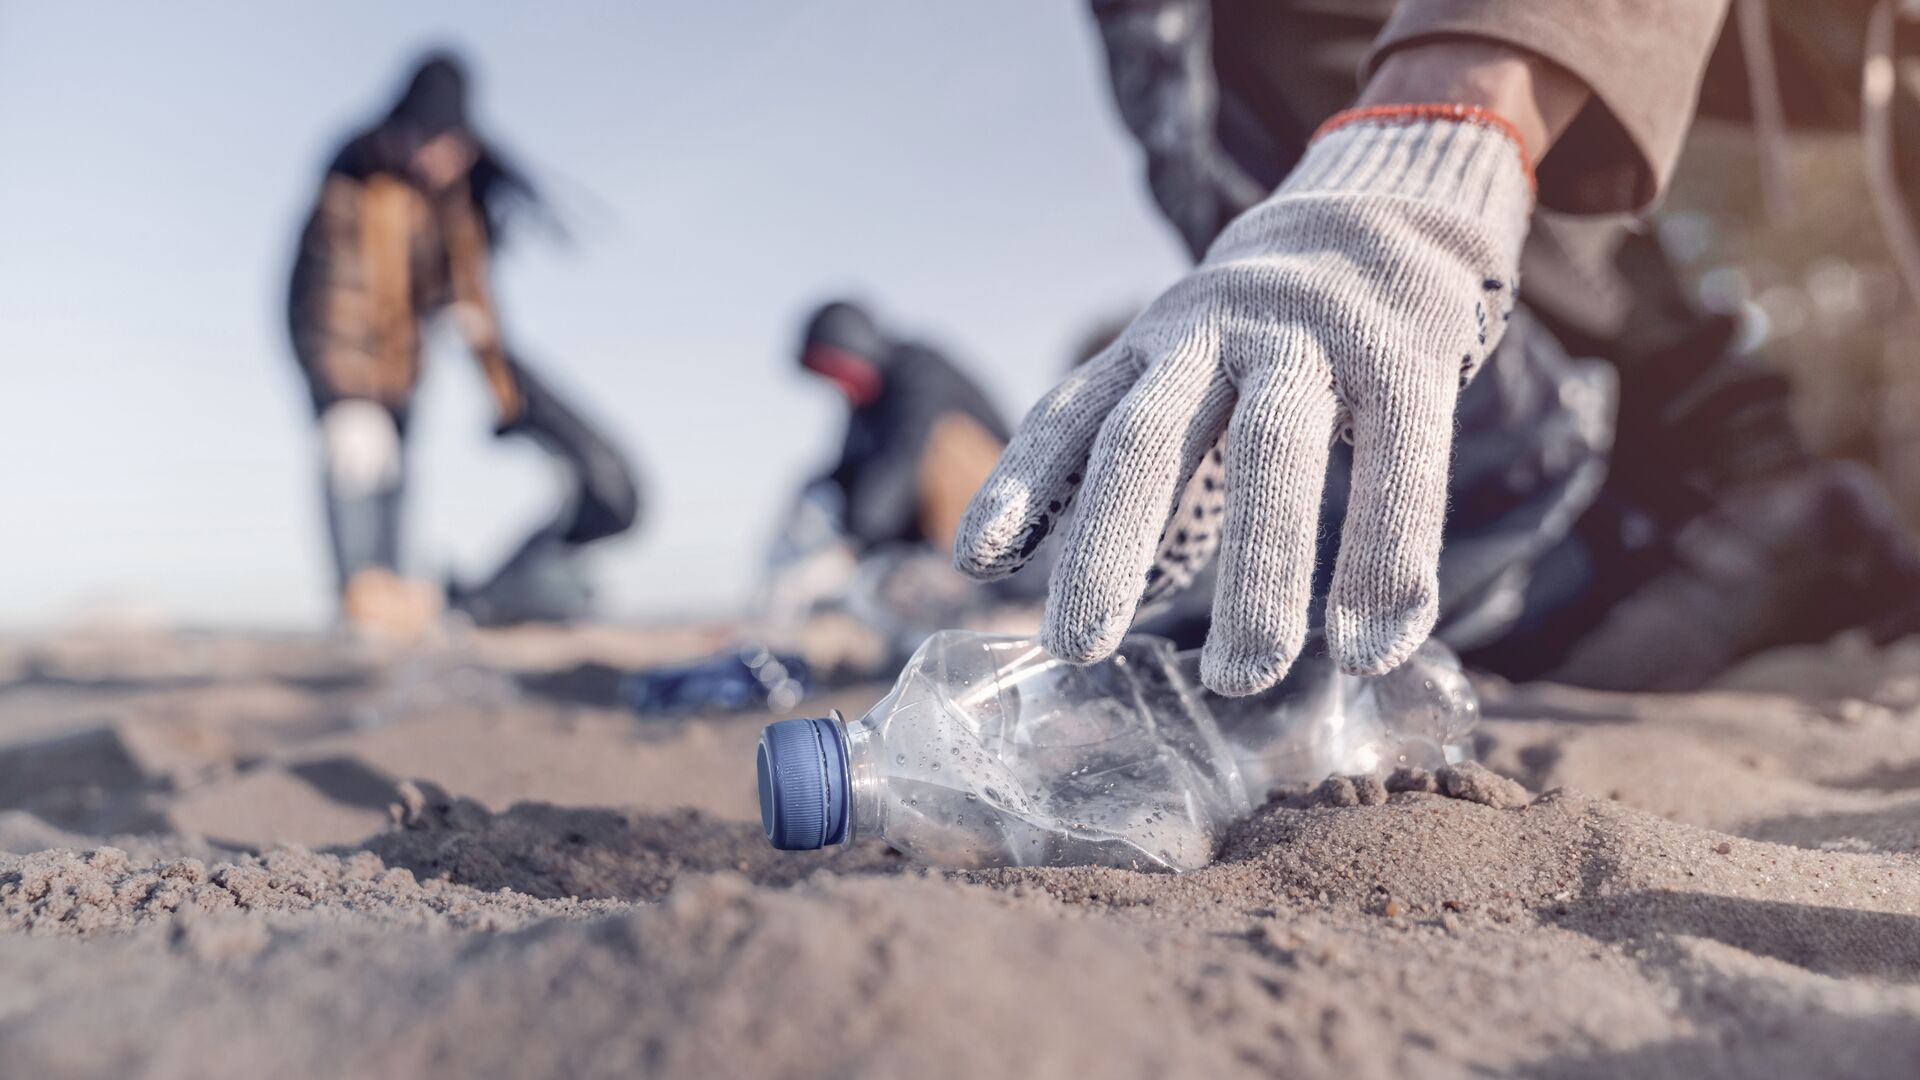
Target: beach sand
<point>232,855</point>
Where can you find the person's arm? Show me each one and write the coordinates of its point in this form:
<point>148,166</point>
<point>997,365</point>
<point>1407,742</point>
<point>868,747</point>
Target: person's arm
<point>1641,61</point>
<point>1358,299</point>
<point>466,239</point>
<point>1538,97</point>
<point>1160,63</point>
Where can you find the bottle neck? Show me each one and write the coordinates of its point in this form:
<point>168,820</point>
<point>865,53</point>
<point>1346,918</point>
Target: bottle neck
<point>865,779</point>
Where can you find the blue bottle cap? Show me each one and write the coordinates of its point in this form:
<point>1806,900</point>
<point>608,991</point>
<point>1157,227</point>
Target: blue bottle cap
<point>802,766</point>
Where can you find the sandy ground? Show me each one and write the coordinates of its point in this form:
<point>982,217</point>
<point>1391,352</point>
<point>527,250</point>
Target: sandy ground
<point>235,856</point>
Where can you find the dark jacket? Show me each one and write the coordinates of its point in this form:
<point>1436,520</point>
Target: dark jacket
<point>379,255</point>
<point>884,469</point>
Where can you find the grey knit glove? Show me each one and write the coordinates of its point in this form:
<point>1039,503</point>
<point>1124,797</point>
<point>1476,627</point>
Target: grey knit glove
<point>1356,300</point>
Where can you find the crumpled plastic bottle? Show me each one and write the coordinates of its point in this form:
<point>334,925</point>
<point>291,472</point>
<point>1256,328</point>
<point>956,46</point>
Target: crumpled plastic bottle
<point>1320,722</point>
<point>990,752</point>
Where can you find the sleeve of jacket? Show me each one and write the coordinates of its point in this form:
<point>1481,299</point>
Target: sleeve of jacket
<point>465,232</point>
<point>1644,60</point>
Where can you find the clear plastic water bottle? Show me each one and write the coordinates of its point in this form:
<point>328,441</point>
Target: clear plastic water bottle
<point>990,752</point>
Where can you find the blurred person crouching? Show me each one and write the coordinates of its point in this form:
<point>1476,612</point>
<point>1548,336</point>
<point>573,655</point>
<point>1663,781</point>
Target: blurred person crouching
<point>862,570</point>
<point>408,215</point>
<point>920,438</point>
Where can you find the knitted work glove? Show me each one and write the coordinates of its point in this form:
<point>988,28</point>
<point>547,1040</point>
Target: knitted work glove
<point>1356,300</point>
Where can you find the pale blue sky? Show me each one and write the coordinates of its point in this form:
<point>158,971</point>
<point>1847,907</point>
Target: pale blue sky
<point>723,165</point>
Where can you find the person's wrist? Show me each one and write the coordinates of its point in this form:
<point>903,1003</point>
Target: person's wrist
<point>1455,156</point>
<point>1416,157</point>
<point>1537,98</point>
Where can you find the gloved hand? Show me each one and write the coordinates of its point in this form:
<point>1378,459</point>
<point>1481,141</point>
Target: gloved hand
<point>1357,299</point>
<point>361,446</point>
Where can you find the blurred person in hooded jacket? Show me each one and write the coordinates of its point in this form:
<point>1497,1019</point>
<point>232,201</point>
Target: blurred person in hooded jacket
<point>409,213</point>
<point>920,436</point>
<point>861,570</point>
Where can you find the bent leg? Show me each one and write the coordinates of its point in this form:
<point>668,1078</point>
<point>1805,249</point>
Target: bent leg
<point>545,580</point>
<point>364,467</point>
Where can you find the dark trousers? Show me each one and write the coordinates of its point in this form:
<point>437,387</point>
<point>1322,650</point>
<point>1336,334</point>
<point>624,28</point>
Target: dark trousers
<point>541,580</point>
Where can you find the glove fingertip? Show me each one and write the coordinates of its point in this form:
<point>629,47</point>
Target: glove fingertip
<point>971,564</point>
<point>980,567</point>
<point>1374,644</point>
<point>1001,546</point>
<point>1081,640</point>
<point>1232,673</point>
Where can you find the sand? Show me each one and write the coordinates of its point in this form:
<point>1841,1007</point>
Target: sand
<point>237,856</point>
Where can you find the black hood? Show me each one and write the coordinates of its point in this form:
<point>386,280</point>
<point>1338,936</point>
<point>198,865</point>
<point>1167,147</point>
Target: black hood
<point>847,327</point>
<point>435,102</point>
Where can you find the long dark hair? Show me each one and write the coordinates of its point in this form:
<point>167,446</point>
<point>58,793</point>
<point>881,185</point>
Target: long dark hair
<point>435,103</point>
